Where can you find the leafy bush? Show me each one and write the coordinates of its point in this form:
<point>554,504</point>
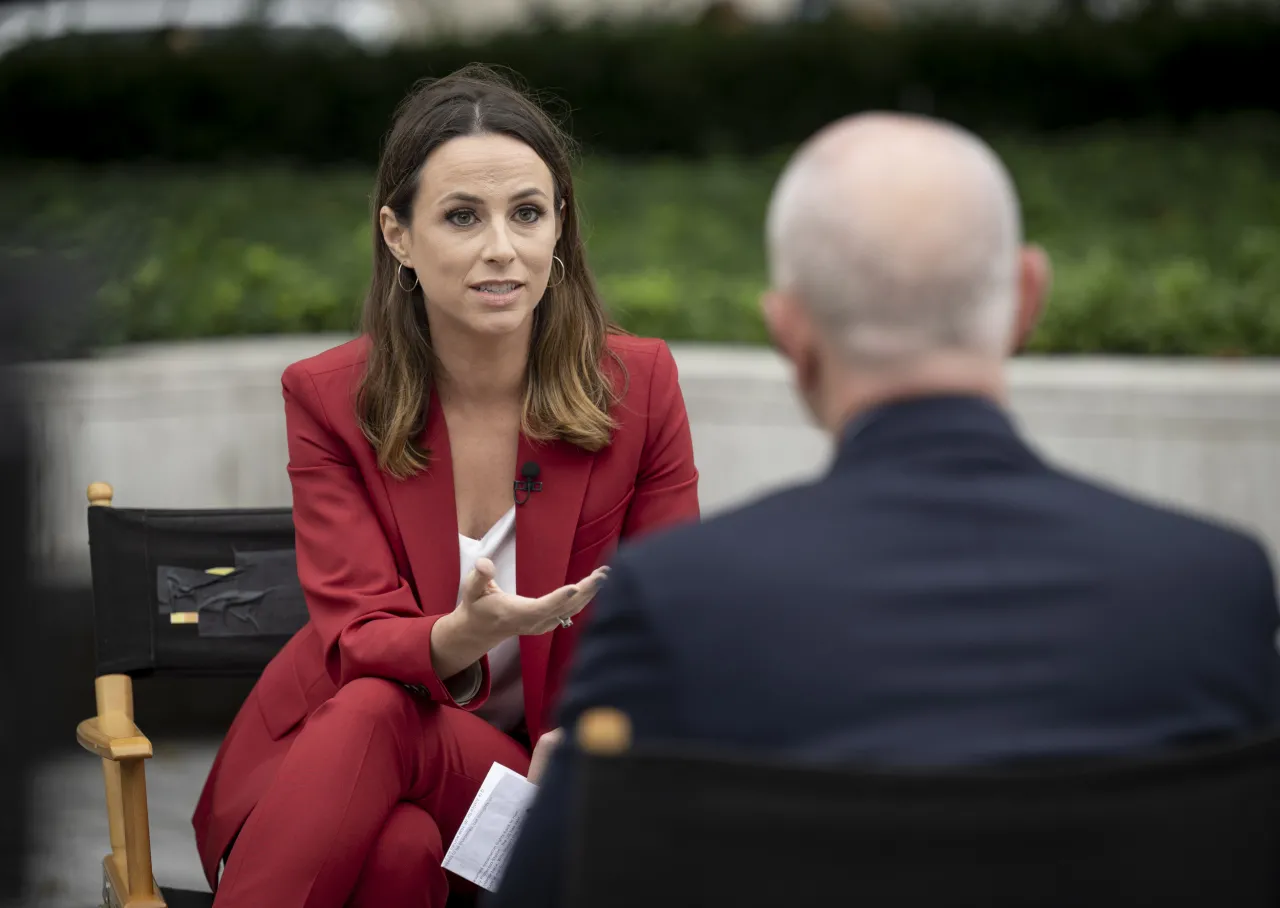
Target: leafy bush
<point>1161,245</point>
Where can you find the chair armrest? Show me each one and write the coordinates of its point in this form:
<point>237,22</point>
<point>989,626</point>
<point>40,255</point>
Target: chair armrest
<point>132,746</point>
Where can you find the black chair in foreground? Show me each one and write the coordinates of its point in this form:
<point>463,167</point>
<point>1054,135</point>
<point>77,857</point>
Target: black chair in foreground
<point>679,826</point>
<point>176,593</point>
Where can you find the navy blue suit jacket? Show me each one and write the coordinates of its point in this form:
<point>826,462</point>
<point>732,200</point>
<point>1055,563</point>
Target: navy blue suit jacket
<point>940,597</point>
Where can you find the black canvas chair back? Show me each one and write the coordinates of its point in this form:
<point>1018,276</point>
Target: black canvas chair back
<point>674,827</point>
<point>212,592</point>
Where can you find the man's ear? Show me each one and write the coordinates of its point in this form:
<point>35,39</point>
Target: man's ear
<point>394,234</point>
<point>778,311</point>
<point>1035,276</point>
<point>792,330</point>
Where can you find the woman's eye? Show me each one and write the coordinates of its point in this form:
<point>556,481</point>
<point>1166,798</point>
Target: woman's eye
<point>461,218</point>
<point>528,214</point>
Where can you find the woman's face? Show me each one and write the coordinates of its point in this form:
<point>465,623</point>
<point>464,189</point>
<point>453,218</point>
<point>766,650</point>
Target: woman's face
<point>484,229</point>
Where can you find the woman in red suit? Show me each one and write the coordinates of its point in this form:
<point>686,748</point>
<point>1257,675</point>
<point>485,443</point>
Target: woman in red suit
<point>460,473</point>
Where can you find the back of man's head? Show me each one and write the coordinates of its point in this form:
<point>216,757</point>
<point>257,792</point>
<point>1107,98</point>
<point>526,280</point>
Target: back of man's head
<point>900,239</point>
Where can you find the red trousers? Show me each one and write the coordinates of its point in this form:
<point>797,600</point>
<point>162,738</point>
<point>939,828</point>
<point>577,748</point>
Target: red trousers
<point>365,803</point>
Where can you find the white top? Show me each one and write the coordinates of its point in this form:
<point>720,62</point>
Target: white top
<point>505,707</point>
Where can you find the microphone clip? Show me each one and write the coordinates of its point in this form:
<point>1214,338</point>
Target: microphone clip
<point>528,483</point>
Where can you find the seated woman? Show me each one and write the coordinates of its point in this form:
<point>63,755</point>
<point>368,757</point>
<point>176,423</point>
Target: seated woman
<point>460,473</point>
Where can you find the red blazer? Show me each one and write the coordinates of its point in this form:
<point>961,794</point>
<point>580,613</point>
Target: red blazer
<point>378,557</point>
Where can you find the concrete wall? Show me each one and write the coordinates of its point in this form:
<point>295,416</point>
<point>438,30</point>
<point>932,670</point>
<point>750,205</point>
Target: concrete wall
<point>201,425</point>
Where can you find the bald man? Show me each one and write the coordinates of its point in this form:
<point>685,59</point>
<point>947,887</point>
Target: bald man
<point>942,596</point>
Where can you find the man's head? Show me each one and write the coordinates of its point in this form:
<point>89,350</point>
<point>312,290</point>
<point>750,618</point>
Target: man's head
<point>897,265</point>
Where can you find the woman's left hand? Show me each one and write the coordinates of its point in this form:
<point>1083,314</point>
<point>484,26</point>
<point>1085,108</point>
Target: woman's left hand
<point>542,752</point>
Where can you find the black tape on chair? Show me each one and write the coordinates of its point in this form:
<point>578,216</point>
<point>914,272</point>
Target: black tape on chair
<point>258,596</point>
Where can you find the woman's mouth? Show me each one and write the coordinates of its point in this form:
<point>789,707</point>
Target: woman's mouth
<point>498,293</point>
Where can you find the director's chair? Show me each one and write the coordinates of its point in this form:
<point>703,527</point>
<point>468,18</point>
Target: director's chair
<point>175,593</point>
<point>685,825</point>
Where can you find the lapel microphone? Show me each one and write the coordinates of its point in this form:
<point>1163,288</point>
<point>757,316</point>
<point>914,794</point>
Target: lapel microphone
<point>528,483</point>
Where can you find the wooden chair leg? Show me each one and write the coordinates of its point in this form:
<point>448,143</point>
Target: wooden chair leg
<point>127,873</point>
<point>109,694</point>
<point>128,881</point>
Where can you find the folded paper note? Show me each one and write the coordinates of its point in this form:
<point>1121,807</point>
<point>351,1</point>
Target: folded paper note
<point>488,833</point>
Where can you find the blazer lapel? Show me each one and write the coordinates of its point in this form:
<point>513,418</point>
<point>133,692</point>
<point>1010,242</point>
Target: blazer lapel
<point>427,515</point>
<point>545,526</point>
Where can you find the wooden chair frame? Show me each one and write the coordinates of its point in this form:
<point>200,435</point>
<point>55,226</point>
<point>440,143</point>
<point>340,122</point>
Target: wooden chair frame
<point>127,879</point>
<point>603,731</point>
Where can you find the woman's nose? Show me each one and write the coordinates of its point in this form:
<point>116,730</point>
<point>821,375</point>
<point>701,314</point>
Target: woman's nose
<point>498,246</point>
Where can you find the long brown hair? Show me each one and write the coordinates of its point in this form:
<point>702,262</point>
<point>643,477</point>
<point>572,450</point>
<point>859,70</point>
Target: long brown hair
<point>567,390</point>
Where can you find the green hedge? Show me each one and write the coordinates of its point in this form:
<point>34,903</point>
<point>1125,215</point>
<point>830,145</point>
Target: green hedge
<point>648,90</point>
<point>1161,246</point>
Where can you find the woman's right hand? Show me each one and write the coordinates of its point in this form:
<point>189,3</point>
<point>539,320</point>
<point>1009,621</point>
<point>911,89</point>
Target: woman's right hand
<point>495,614</point>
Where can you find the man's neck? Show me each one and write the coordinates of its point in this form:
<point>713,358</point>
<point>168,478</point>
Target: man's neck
<point>854,392</point>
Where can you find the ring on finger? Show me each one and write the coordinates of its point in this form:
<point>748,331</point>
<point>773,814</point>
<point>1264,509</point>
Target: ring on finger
<point>565,622</point>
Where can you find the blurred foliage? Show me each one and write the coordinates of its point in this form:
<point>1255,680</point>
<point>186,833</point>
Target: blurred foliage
<point>1161,245</point>
<point>641,90</point>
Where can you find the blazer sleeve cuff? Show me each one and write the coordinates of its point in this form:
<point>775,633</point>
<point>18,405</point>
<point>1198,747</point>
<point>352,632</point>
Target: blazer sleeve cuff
<point>468,689</point>
<point>465,686</point>
<point>407,657</point>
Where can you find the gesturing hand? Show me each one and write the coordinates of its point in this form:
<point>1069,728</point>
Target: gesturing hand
<point>499,614</point>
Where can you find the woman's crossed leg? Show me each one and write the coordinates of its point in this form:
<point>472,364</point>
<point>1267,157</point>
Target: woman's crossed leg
<point>365,803</point>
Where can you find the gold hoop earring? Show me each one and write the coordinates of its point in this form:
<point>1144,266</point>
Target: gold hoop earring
<point>400,283</point>
<point>563,273</point>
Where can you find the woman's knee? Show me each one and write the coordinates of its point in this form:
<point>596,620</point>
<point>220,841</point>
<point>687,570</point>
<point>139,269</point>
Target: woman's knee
<point>403,866</point>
